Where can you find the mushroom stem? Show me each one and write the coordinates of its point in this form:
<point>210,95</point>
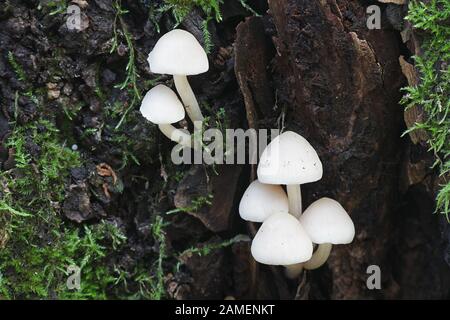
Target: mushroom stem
<point>293,271</point>
<point>189,100</point>
<point>319,257</point>
<point>295,199</point>
<point>176,135</point>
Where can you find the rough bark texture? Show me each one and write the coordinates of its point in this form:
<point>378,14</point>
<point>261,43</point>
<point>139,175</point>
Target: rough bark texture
<point>216,216</point>
<point>310,66</point>
<point>337,83</point>
<point>341,103</point>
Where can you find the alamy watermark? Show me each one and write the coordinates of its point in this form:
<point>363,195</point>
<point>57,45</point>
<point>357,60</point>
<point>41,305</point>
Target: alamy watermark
<point>233,146</point>
<point>374,280</point>
<point>74,17</point>
<point>374,17</point>
<point>76,20</point>
<point>74,277</point>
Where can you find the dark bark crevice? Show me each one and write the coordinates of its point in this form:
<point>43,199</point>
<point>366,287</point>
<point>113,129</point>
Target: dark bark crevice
<point>339,84</point>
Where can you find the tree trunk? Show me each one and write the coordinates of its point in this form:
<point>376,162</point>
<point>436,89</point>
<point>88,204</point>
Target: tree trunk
<point>338,84</point>
<point>85,178</point>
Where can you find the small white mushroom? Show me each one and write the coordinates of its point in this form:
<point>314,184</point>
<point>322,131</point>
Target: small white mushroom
<point>178,53</point>
<point>161,106</point>
<point>326,223</point>
<point>262,200</point>
<point>281,240</point>
<point>289,159</point>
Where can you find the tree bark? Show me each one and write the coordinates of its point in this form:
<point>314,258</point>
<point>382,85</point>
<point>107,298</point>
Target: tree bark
<point>338,84</point>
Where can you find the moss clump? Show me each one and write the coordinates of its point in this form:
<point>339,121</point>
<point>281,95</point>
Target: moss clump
<point>181,8</point>
<point>196,204</point>
<point>20,73</point>
<point>157,290</point>
<point>53,7</point>
<point>433,92</point>
<point>37,245</point>
<point>132,75</point>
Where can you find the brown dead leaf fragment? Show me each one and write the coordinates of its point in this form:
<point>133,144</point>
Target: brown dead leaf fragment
<point>105,190</point>
<point>105,170</point>
<point>53,92</point>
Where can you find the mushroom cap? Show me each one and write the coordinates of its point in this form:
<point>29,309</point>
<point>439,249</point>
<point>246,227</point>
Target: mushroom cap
<point>326,221</point>
<point>162,106</point>
<point>281,240</point>
<point>262,200</point>
<point>178,53</point>
<point>289,159</point>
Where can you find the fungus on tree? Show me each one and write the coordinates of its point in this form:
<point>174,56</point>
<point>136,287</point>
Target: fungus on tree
<point>161,106</point>
<point>178,53</point>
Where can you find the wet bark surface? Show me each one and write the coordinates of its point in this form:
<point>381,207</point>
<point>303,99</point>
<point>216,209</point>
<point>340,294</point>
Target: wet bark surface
<point>337,83</point>
<point>308,66</point>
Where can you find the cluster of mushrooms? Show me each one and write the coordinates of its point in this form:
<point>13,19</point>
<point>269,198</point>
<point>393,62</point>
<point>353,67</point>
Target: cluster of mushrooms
<point>287,235</point>
<point>177,53</point>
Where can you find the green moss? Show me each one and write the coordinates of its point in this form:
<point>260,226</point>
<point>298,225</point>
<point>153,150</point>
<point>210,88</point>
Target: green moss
<point>195,205</point>
<point>53,7</point>
<point>157,289</point>
<point>39,245</point>
<point>130,81</point>
<point>43,170</point>
<point>208,248</point>
<point>36,270</point>
<point>20,73</point>
<point>181,8</point>
<point>433,92</point>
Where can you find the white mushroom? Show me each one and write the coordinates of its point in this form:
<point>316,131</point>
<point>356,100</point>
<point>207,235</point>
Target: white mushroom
<point>161,106</point>
<point>180,54</point>
<point>289,159</point>
<point>281,240</point>
<point>262,200</point>
<point>326,223</point>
